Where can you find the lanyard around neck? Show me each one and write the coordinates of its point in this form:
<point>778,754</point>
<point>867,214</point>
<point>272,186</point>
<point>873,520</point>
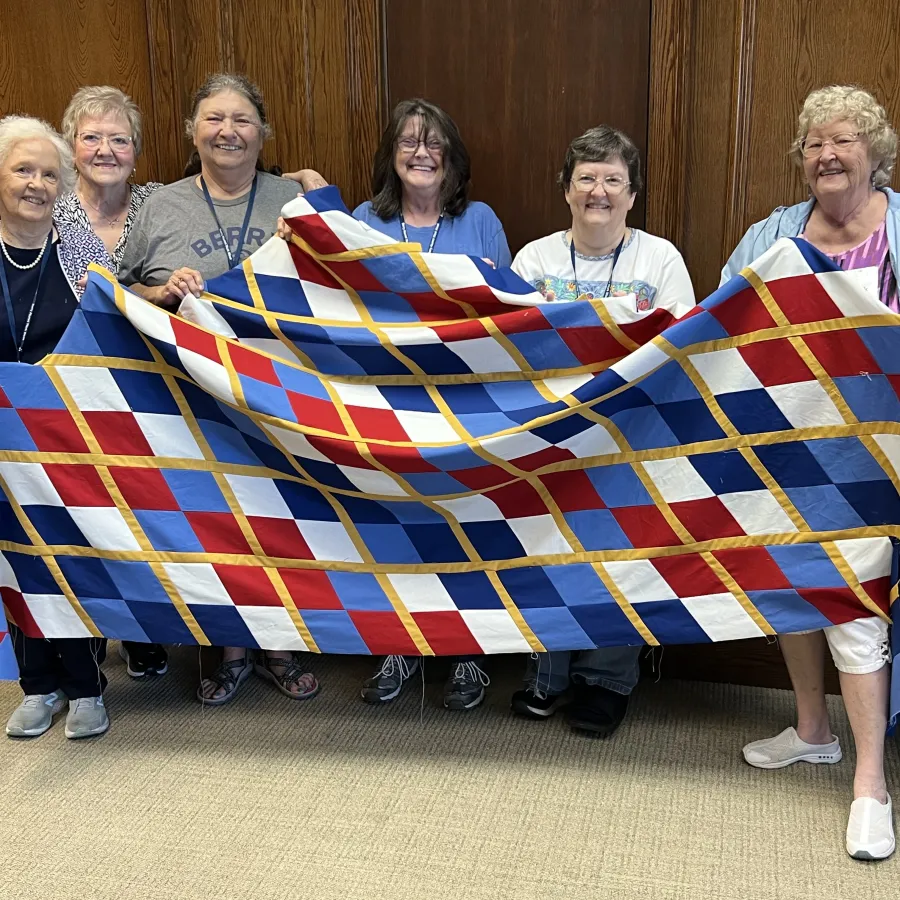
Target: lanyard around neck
<point>233,258</point>
<point>615,259</point>
<point>434,233</point>
<point>7,300</point>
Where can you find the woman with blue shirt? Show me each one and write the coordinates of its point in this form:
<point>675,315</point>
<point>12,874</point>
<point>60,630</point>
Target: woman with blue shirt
<point>420,187</point>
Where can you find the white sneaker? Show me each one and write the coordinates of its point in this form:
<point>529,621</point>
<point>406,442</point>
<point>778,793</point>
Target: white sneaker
<point>34,715</point>
<point>87,717</point>
<point>786,748</point>
<point>870,829</point>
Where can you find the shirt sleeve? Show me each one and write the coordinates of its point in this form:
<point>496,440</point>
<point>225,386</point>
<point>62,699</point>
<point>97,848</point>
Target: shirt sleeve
<point>361,213</point>
<point>675,291</point>
<point>500,255</point>
<point>131,268</point>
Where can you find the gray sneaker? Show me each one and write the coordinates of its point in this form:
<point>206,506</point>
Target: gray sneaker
<point>388,681</point>
<point>34,715</point>
<point>465,686</point>
<point>87,717</point>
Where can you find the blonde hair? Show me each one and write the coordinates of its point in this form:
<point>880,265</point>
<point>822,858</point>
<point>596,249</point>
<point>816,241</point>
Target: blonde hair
<point>97,101</point>
<point>14,129</point>
<point>846,101</point>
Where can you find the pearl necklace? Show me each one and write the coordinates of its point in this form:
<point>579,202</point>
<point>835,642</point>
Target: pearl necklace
<point>30,265</point>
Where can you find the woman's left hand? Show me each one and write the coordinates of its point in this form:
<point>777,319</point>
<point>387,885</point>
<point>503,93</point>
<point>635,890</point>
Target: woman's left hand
<point>308,179</point>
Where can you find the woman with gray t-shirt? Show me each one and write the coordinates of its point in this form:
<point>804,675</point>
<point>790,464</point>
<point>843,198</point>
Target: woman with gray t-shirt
<point>199,228</point>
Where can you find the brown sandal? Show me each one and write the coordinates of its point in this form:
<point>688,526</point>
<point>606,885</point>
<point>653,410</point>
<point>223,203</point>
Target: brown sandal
<point>292,674</point>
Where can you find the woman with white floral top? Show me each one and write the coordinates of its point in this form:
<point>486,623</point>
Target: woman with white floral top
<point>103,126</point>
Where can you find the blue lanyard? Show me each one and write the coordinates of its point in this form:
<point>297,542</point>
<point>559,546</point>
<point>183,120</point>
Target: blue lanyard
<point>612,268</point>
<point>434,233</point>
<point>7,299</point>
<point>233,259</point>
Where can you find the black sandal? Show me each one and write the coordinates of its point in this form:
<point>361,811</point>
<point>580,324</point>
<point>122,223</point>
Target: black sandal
<point>228,676</point>
<point>292,674</point>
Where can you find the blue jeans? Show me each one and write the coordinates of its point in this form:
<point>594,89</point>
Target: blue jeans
<point>615,668</point>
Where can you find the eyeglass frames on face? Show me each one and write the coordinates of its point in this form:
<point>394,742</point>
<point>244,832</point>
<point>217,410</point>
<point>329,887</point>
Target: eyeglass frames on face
<point>812,147</point>
<point>612,184</point>
<point>116,142</point>
<point>410,145</point>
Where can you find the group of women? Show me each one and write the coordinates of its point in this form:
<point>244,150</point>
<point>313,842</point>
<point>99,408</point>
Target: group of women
<point>67,200</point>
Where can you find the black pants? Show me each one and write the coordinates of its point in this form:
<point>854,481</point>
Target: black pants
<point>70,665</point>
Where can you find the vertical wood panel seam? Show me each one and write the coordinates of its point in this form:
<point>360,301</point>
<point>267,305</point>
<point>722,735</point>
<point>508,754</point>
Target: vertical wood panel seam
<point>667,140</point>
<point>742,105</point>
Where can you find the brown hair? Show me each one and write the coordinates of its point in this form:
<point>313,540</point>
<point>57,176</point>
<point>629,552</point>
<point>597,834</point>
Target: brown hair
<point>387,189</point>
<point>602,144</point>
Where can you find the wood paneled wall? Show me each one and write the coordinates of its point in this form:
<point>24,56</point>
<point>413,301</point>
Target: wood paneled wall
<point>317,62</point>
<point>727,82</point>
<point>521,78</point>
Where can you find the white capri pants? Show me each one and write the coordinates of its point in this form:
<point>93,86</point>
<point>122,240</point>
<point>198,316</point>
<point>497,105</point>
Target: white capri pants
<point>858,647</point>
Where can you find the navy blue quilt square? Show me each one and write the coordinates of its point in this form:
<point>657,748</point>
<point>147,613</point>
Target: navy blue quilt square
<point>876,502</point>
<point>223,625</point>
<point>671,623</point>
<point>726,472</point>
<point>530,587</point>
<point>471,590</point>
<point>691,421</point>
<point>753,412</point>
<point>792,465</point>
<point>436,543</point>
<point>493,540</point>
<point>56,526</point>
<point>145,392</point>
<point>88,577</point>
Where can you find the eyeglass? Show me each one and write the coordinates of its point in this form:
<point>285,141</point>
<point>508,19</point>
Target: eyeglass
<point>117,142</point>
<point>814,146</point>
<point>612,184</point>
<point>410,145</point>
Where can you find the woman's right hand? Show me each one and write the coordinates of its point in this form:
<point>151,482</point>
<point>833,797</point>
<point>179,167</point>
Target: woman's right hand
<point>181,282</point>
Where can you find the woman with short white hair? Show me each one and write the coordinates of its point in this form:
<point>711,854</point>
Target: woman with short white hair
<point>846,148</point>
<point>42,267</point>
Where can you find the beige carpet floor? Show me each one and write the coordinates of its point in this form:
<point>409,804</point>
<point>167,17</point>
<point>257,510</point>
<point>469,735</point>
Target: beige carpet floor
<point>334,799</point>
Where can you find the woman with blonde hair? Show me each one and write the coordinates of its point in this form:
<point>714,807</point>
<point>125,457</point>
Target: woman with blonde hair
<point>845,147</point>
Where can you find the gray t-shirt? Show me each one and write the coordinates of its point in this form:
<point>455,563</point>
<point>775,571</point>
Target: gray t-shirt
<point>176,228</point>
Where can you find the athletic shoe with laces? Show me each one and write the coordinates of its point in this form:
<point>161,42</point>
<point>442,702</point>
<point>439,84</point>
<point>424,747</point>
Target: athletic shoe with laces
<point>527,703</point>
<point>388,681</point>
<point>151,659</point>
<point>870,829</point>
<point>465,686</point>
<point>87,717</point>
<point>786,748</point>
<point>34,715</point>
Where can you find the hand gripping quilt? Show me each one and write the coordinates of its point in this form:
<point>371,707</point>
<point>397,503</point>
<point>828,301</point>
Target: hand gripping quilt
<point>350,446</point>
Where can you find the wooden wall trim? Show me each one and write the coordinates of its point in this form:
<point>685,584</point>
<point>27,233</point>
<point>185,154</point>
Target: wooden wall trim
<point>667,139</point>
<point>742,108</point>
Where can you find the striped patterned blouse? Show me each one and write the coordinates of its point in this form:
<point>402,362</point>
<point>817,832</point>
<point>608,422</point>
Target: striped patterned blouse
<point>873,251</point>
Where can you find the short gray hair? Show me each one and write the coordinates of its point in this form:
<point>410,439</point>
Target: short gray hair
<point>14,129</point>
<point>229,81</point>
<point>97,101</point>
<point>847,101</point>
